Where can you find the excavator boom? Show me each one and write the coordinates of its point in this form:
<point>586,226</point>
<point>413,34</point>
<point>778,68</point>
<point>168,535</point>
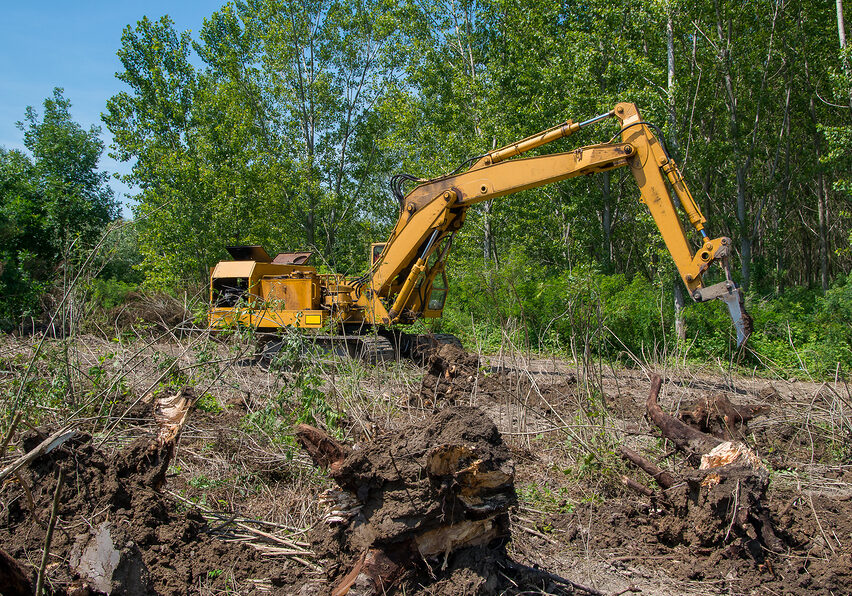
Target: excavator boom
<point>406,278</point>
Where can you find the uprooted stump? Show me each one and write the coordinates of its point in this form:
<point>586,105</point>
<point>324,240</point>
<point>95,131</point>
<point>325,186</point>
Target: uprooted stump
<point>715,414</point>
<point>721,503</point>
<point>410,500</point>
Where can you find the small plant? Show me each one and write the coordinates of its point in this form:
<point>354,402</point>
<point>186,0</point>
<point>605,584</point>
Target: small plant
<point>544,498</point>
<point>203,482</point>
<point>209,403</point>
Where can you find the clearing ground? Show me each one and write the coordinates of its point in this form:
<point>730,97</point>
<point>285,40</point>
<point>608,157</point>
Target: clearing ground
<point>234,506</point>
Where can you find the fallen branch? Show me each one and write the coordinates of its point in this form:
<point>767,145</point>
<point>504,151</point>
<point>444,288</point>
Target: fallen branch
<point>662,477</point>
<point>46,446</point>
<point>685,437</point>
<point>636,487</point>
<point>10,433</point>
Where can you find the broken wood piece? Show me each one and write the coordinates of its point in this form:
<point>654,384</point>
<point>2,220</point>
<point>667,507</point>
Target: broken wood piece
<point>374,573</point>
<point>171,413</point>
<point>636,487</point>
<point>716,414</point>
<point>685,437</point>
<point>49,444</point>
<point>662,477</point>
<point>476,477</point>
<point>445,539</point>
<point>323,449</point>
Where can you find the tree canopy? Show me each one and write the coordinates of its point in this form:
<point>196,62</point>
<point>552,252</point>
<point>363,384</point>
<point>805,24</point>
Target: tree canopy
<point>49,200</point>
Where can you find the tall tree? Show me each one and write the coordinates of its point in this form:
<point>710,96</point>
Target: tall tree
<point>48,202</point>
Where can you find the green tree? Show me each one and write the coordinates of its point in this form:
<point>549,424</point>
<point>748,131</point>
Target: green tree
<point>47,203</point>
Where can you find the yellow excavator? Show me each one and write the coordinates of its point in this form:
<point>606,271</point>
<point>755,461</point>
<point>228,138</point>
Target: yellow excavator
<point>406,279</point>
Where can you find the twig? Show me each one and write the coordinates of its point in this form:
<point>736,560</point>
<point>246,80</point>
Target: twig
<point>537,533</point>
<point>257,533</point>
<point>46,446</point>
<point>29,495</point>
<point>819,525</point>
<point>557,578</point>
<point>636,487</point>
<point>60,477</point>
<point>11,432</point>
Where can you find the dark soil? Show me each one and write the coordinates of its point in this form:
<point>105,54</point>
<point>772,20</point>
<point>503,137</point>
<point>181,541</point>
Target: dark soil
<point>454,375</point>
<point>169,551</point>
<point>581,526</point>
<point>635,533</point>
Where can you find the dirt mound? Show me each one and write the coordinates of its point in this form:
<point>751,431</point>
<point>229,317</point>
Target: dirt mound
<point>113,516</point>
<point>637,535</point>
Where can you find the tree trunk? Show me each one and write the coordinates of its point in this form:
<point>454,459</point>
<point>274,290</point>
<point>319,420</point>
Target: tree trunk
<point>821,188</point>
<point>841,33</point>
<point>680,322</point>
<point>671,77</point>
<point>823,232</point>
<point>487,240</point>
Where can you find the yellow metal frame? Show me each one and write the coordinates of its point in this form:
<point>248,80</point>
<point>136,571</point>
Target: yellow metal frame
<point>436,209</point>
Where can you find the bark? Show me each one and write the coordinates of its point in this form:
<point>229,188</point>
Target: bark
<point>662,477</point>
<point>324,450</point>
<point>686,438</point>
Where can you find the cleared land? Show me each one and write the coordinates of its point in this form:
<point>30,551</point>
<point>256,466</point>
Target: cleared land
<point>235,504</point>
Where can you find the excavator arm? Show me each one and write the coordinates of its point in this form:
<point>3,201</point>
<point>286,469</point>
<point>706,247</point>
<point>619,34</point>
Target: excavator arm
<point>397,286</point>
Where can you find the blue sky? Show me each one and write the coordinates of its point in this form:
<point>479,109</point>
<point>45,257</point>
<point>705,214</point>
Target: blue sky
<point>46,44</point>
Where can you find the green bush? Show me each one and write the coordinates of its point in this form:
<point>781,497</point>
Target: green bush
<point>797,331</point>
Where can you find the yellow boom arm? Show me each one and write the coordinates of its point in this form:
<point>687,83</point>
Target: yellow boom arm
<point>434,210</point>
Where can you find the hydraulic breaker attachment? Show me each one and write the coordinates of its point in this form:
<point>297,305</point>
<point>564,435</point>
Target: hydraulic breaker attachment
<point>728,292</point>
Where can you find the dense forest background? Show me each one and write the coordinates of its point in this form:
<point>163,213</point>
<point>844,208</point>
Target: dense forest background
<point>281,122</point>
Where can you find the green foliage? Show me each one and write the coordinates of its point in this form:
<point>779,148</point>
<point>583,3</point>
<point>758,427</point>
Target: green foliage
<point>800,330</point>
<point>301,400</point>
<point>48,202</point>
<point>107,293</point>
<point>543,497</point>
<point>209,403</point>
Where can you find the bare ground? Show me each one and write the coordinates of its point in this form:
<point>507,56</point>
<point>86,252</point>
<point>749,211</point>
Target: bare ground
<point>239,491</point>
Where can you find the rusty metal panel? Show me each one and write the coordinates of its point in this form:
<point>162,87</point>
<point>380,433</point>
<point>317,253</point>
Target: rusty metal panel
<point>292,258</point>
